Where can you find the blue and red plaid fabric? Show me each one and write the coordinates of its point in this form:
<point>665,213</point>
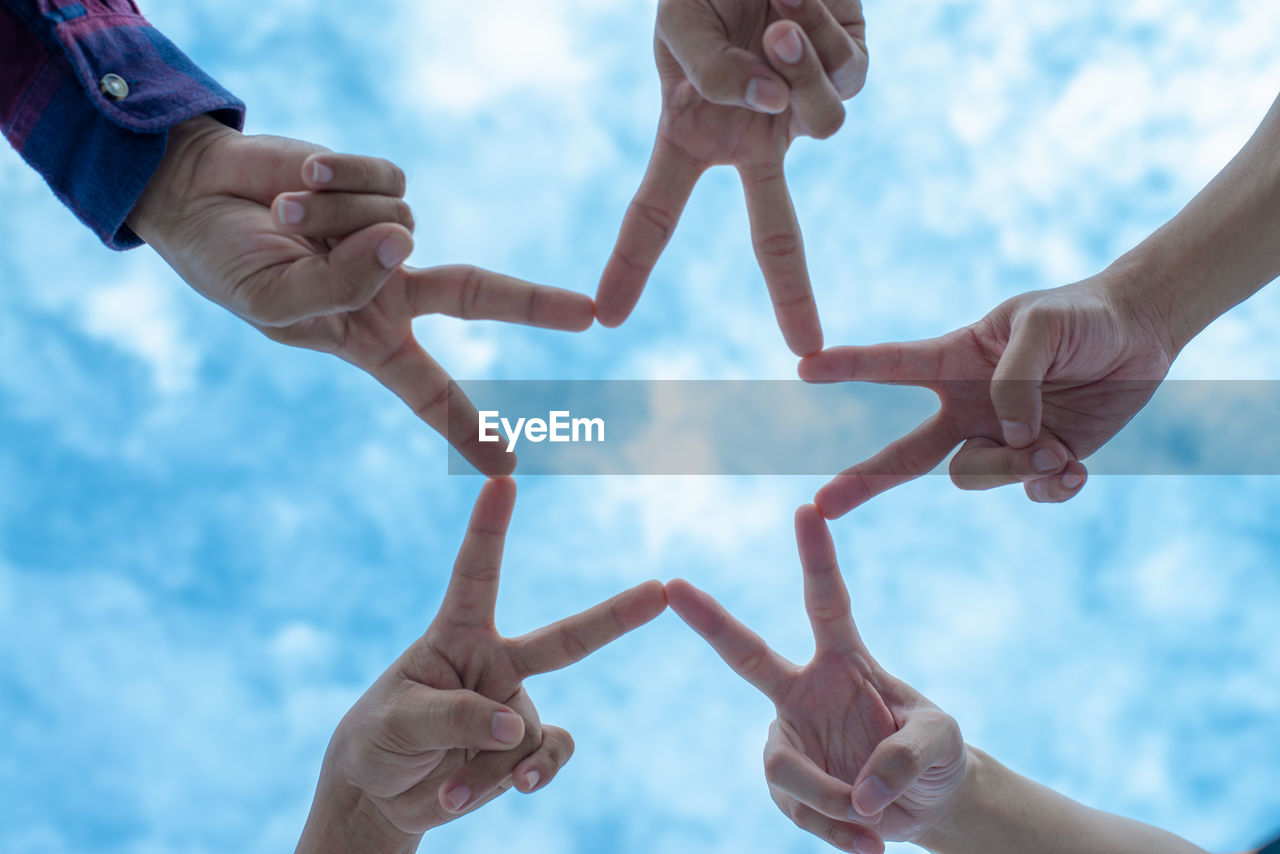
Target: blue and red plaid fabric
<point>97,153</point>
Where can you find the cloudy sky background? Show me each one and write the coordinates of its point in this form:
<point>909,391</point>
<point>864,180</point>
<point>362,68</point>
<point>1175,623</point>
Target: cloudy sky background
<point>211,544</point>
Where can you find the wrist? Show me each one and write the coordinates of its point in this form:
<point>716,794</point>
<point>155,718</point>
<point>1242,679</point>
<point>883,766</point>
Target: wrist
<point>344,819</point>
<point>173,179</point>
<point>948,832</point>
<point>1147,288</point>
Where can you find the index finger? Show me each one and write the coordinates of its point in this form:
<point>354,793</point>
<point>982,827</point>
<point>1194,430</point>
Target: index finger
<point>905,459</point>
<point>646,229</point>
<point>471,293</point>
<point>916,363</point>
<point>826,599</point>
<point>574,638</point>
<point>423,385</point>
<point>473,588</point>
<point>742,649</point>
<point>779,247</point>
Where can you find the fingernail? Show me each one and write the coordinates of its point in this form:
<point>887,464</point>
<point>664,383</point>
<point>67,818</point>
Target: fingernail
<point>872,796</point>
<point>864,846</point>
<point>1046,461</point>
<point>788,47</point>
<point>320,173</point>
<point>507,728</point>
<point>794,4</point>
<point>1016,433</point>
<point>456,798</point>
<point>290,212</point>
<point>531,779</point>
<point>766,96</point>
<point>393,251</point>
<point>1071,480</point>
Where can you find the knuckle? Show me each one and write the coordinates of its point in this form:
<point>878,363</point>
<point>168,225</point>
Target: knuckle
<point>459,716</point>
<point>567,747</point>
<point>263,305</point>
<point>574,648</point>
<point>469,293</point>
<point>902,759</point>
<point>751,662</point>
<point>399,181</point>
<point>781,245</point>
<point>774,765</point>
<point>404,214</point>
<point>660,219</point>
<point>831,833</point>
<point>829,123</point>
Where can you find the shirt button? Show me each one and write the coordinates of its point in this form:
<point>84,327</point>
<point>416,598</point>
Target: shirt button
<point>114,87</point>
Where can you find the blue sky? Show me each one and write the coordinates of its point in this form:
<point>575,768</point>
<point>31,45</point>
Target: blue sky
<point>211,544</point>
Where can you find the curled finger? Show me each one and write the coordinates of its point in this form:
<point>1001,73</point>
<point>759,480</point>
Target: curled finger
<point>983,463</point>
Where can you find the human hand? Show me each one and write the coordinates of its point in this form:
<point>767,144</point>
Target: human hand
<point>449,726</point>
<point>307,246</point>
<point>1034,387</point>
<point>740,80</point>
<point>855,756</point>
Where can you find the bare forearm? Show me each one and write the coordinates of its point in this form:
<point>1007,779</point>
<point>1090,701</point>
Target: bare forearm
<point>1218,251</point>
<point>1000,811</point>
<point>342,820</point>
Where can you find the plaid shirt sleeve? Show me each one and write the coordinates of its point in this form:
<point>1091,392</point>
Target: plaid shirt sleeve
<point>88,93</point>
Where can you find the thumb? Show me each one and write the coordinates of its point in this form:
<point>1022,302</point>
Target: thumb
<point>1016,382</point>
<point>426,718</point>
<point>345,279</point>
<point>928,740</point>
<point>720,72</point>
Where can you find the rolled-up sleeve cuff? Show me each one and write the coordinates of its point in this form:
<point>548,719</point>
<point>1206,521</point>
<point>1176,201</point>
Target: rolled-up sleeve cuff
<point>95,117</point>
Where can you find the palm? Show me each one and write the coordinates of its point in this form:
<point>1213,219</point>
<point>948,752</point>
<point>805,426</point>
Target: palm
<point>1100,378</point>
<point>228,203</point>
<point>841,716</point>
<point>402,779</point>
<point>838,710</point>
<point>714,134</point>
<point>400,762</point>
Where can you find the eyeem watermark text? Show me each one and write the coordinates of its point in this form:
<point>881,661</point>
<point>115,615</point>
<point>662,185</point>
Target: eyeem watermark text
<point>558,426</point>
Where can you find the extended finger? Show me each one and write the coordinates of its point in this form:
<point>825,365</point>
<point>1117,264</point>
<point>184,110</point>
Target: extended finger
<point>915,454</point>
<point>337,214</point>
<point>473,587</point>
<point>345,279</point>
<point>537,770</point>
<point>843,835</point>
<point>471,293</point>
<point>907,363</point>
<point>983,463</point>
<point>574,638</point>
<point>815,103</point>
<point>423,385</point>
<point>1060,487</point>
<point>720,71</point>
<point>646,229</point>
<point>826,599</point>
<point>352,173</point>
<point>838,43</point>
<point>797,775</point>
<point>779,248</point>
<point>928,740</point>
<point>742,649</point>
